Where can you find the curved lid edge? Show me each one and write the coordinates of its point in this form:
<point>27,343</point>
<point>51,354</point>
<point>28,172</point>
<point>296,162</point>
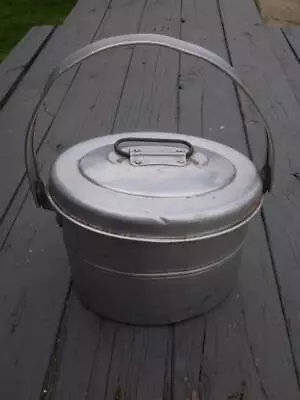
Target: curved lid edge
<point>156,238</point>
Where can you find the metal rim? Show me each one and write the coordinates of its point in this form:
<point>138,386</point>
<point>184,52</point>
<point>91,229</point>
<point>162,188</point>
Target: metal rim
<point>168,275</point>
<point>155,239</point>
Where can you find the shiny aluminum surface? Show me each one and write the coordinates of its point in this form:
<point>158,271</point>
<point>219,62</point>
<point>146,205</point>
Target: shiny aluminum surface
<point>151,298</point>
<point>149,257</point>
<point>107,192</point>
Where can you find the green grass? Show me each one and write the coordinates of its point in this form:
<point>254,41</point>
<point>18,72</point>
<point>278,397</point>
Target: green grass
<point>18,16</point>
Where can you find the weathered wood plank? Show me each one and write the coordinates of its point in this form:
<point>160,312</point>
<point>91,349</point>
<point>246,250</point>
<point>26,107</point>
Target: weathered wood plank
<point>34,279</point>
<point>293,35</point>
<point>287,58</point>
<point>151,381</point>
<point>85,348</point>
<point>236,350</point>
<point>208,106</point>
<point>152,78</point>
<point>252,55</point>
<point>243,354</point>
<point>189,341</point>
<point>137,365</point>
<point>128,355</point>
<point>34,283</point>
<point>79,29</point>
<point>19,60</point>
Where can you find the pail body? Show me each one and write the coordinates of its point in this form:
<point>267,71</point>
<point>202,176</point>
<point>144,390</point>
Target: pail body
<point>151,283</point>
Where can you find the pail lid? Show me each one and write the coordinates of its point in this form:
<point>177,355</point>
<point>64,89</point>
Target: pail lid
<point>155,185</point>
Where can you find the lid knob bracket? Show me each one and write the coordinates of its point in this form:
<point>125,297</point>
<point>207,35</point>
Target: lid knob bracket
<point>165,151</point>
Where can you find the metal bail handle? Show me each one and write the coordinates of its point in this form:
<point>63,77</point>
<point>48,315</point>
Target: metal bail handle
<point>37,186</point>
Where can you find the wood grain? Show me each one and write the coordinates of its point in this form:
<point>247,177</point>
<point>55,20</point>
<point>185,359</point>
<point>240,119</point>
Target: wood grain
<point>84,350</point>
<point>287,57</point>
<point>78,30</point>
<point>235,351</point>
<point>252,54</point>
<point>34,271</point>
<point>34,280</point>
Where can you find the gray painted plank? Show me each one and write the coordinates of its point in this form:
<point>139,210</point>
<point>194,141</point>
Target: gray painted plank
<point>34,269</point>
<point>287,59</point>
<point>149,99</point>
<point>244,353</point>
<point>15,65</point>
<point>83,337</point>
<point>137,364</point>
<point>151,380</point>
<point>252,54</point>
<point>236,350</point>
<point>79,29</point>
<point>292,33</point>
<point>188,377</point>
<point>128,355</point>
<point>34,279</point>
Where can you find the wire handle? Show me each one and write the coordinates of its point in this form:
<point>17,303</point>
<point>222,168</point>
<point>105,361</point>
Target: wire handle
<point>37,186</point>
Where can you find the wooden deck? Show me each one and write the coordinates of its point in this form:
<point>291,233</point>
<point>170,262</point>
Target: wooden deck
<point>246,349</point>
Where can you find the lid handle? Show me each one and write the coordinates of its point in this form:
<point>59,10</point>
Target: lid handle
<point>158,155</point>
<point>118,149</point>
<point>37,186</point>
